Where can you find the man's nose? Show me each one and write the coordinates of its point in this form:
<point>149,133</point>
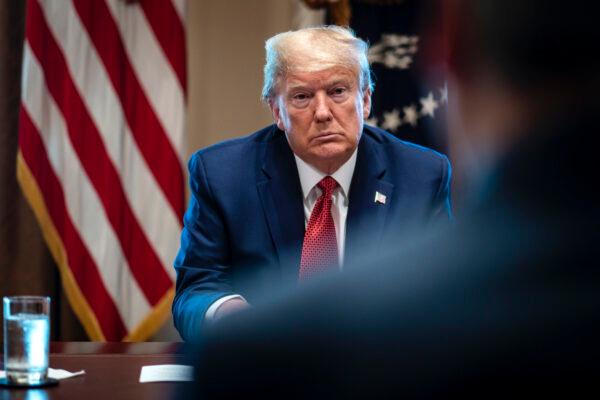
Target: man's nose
<point>322,109</point>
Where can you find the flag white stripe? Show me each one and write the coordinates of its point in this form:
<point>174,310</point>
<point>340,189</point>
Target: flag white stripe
<point>83,205</point>
<point>181,8</point>
<point>157,78</point>
<point>145,197</point>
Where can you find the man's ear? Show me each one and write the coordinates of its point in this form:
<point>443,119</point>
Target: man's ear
<point>366,103</point>
<point>276,111</point>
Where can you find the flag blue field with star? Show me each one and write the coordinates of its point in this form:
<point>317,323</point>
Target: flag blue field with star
<point>404,103</point>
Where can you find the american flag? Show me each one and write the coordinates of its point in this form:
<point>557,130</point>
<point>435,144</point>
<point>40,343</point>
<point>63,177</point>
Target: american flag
<point>100,153</point>
<point>409,100</point>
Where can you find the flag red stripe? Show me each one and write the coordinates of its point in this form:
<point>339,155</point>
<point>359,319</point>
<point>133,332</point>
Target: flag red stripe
<point>143,261</point>
<point>147,130</point>
<point>169,32</point>
<point>85,270</point>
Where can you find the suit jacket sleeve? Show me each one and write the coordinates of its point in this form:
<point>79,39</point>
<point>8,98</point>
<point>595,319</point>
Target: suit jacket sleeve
<point>203,273</point>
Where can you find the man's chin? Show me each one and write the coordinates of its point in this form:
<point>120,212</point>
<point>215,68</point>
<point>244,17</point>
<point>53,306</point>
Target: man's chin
<point>328,158</point>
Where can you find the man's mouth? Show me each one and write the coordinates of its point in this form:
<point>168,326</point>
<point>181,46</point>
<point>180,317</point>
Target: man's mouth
<point>323,136</point>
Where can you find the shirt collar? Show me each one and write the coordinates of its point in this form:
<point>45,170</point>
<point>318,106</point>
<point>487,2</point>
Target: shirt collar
<point>310,176</point>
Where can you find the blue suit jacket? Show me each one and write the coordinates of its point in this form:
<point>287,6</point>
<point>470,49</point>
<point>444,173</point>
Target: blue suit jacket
<point>244,227</point>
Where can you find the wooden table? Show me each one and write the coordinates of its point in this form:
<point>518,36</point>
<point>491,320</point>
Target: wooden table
<point>112,371</point>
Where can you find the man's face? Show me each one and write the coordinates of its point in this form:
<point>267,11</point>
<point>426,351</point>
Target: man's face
<point>322,114</point>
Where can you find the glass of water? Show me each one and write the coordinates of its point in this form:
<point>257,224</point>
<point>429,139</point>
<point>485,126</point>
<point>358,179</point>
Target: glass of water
<point>26,339</point>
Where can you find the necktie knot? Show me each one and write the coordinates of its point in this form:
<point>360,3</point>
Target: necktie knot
<point>327,185</point>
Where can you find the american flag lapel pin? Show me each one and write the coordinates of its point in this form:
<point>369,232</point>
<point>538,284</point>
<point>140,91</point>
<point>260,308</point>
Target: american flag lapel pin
<point>380,198</point>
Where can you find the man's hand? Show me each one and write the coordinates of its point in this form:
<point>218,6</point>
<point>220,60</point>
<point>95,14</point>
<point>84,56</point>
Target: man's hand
<point>230,307</point>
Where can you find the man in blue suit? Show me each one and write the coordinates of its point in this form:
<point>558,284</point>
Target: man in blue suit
<point>291,200</point>
<point>505,303</point>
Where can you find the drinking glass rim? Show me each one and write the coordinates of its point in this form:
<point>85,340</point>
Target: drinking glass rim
<point>26,298</point>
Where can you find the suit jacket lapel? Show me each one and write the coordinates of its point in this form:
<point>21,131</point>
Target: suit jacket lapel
<point>366,217</point>
<point>281,197</point>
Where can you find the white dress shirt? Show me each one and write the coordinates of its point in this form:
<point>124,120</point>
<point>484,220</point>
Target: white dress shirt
<point>309,177</point>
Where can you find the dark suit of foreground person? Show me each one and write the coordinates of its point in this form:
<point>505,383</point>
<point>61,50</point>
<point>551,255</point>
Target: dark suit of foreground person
<point>245,226</point>
<point>506,303</point>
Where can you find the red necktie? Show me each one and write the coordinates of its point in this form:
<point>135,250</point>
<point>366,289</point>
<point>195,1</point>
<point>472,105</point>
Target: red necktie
<point>319,249</point>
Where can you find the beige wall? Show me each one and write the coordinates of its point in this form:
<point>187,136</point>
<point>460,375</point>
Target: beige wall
<point>225,58</point>
<point>225,40</point>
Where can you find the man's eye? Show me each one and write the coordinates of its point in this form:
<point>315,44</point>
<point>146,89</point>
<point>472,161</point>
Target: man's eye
<point>300,96</point>
<point>338,91</point>
<point>300,99</point>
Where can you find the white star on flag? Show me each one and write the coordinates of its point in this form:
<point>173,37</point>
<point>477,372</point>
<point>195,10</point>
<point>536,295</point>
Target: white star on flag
<point>391,120</point>
<point>444,94</point>
<point>429,105</point>
<point>411,115</point>
<point>394,40</point>
<point>390,60</point>
<point>404,62</point>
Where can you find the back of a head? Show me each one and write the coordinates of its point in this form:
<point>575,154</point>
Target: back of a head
<point>514,69</point>
<point>531,42</point>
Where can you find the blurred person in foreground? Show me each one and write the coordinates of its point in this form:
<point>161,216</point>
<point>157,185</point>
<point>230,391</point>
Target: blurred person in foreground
<point>305,195</point>
<point>505,303</point>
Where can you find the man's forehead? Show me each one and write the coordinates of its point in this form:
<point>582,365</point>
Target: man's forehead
<point>325,77</point>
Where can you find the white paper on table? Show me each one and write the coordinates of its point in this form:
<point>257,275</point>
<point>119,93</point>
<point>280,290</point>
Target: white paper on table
<point>63,374</point>
<point>54,373</point>
<point>167,373</point>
